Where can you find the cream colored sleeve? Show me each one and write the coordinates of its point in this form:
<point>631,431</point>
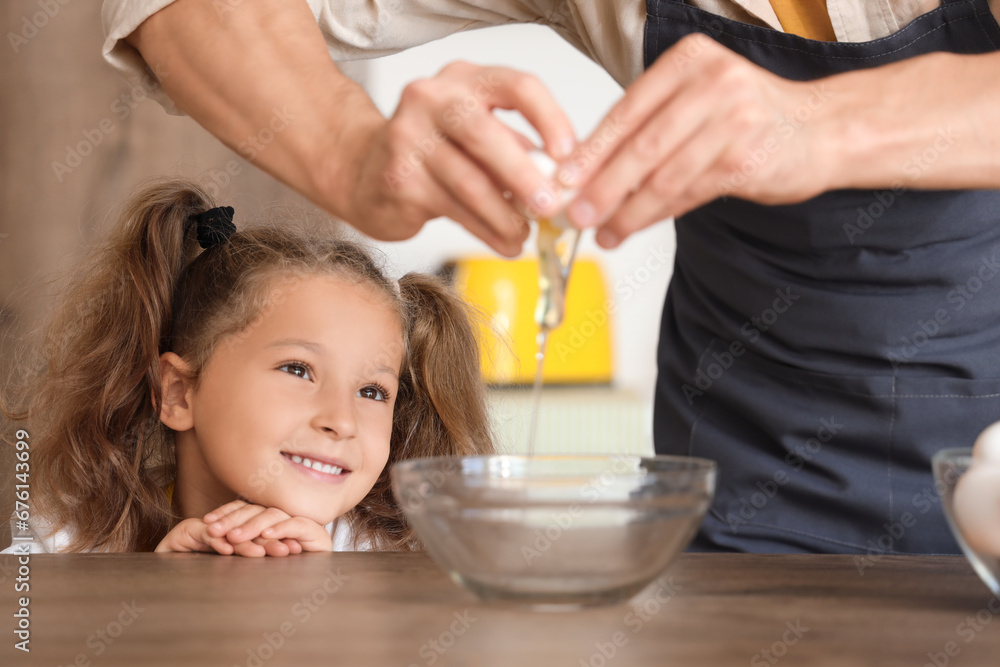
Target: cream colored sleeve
<point>354,29</point>
<point>119,19</point>
<point>362,29</point>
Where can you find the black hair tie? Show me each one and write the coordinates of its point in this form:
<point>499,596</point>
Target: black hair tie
<point>214,226</point>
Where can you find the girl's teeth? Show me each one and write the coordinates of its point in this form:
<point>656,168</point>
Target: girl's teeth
<point>317,465</point>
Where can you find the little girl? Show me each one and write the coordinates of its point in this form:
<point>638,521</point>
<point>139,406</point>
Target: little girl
<point>245,398</point>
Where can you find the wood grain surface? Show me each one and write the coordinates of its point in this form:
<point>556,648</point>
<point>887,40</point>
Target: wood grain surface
<point>400,609</point>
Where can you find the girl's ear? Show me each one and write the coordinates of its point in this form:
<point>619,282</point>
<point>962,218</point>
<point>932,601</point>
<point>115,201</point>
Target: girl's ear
<point>176,390</point>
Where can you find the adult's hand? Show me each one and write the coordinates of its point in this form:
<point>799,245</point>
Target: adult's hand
<point>444,152</point>
<point>262,69</point>
<point>704,122</point>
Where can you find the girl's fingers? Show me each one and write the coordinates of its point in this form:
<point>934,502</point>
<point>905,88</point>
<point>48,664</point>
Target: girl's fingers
<point>237,517</point>
<point>192,535</point>
<point>266,532</point>
<point>275,548</point>
<point>259,548</point>
<point>209,542</point>
<point>249,530</point>
<point>249,550</point>
<point>254,524</point>
<point>309,534</point>
<point>219,544</point>
<point>220,512</point>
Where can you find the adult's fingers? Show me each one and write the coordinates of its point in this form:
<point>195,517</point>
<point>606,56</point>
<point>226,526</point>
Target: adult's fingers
<point>522,140</point>
<point>684,62</point>
<point>640,155</point>
<point>671,188</point>
<point>525,93</point>
<point>472,125</point>
<point>494,219</point>
<point>451,208</point>
<point>490,144</point>
<point>429,199</point>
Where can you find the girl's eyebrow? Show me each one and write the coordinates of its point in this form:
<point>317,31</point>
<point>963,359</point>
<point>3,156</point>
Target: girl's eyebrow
<point>298,342</point>
<point>382,368</point>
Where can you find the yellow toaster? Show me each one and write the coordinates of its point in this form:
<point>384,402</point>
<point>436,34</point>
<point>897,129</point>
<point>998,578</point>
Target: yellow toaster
<point>505,292</point>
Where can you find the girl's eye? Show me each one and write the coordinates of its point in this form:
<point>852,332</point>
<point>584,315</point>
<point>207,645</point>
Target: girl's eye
<point>373,392</point>
<point>297,369</point>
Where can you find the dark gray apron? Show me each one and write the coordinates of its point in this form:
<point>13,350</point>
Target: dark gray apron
<point>822,352</point>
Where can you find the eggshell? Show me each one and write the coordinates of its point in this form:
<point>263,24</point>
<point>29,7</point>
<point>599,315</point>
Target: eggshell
<point>545,164</point>
<point>987,447</point>
<point>548,167</point>
<point>977,505</point>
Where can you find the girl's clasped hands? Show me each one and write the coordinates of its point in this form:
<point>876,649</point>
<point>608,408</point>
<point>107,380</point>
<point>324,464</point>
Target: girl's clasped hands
<point>239,528</point>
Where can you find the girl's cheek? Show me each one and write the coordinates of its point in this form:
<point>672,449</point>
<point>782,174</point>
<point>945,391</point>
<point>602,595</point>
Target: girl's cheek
<point>384,456</point>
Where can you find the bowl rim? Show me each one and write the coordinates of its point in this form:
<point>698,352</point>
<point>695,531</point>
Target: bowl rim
<point>951,454</point>
<point>693,464</point>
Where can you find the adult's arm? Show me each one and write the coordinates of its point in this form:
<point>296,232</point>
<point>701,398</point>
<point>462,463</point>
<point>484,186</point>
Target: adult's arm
<point>255,70</point>
<point>703,122</point>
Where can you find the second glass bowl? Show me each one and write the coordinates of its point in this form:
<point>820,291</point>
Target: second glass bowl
<point>949,466</point>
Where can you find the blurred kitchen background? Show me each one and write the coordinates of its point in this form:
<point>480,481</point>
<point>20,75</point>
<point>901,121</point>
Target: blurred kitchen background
<point>59,93</point>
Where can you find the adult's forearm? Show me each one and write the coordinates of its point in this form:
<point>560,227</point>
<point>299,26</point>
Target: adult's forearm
<point>258,76</point>
<point>928,122</point>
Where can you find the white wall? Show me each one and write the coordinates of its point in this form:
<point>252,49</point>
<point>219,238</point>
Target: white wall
<point>586,92</point>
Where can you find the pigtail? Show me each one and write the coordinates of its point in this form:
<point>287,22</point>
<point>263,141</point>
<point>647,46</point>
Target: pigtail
<point>441,407</point>
<point>445,412</point>
<point>96,436</point>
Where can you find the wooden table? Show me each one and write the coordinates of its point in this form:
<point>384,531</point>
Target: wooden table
<point>359,609</point>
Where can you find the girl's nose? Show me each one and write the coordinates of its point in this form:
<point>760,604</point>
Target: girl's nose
<point>335,416</point>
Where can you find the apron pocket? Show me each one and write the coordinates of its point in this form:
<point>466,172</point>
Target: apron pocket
<point>932,414</point>
<point>817,462</point>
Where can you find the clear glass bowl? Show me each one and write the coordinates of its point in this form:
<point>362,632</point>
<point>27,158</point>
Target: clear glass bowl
<point>949,465</point>
<point>555,531</point>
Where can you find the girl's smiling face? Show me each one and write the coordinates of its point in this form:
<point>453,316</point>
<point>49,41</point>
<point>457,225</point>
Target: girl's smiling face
<point>294,412</point>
